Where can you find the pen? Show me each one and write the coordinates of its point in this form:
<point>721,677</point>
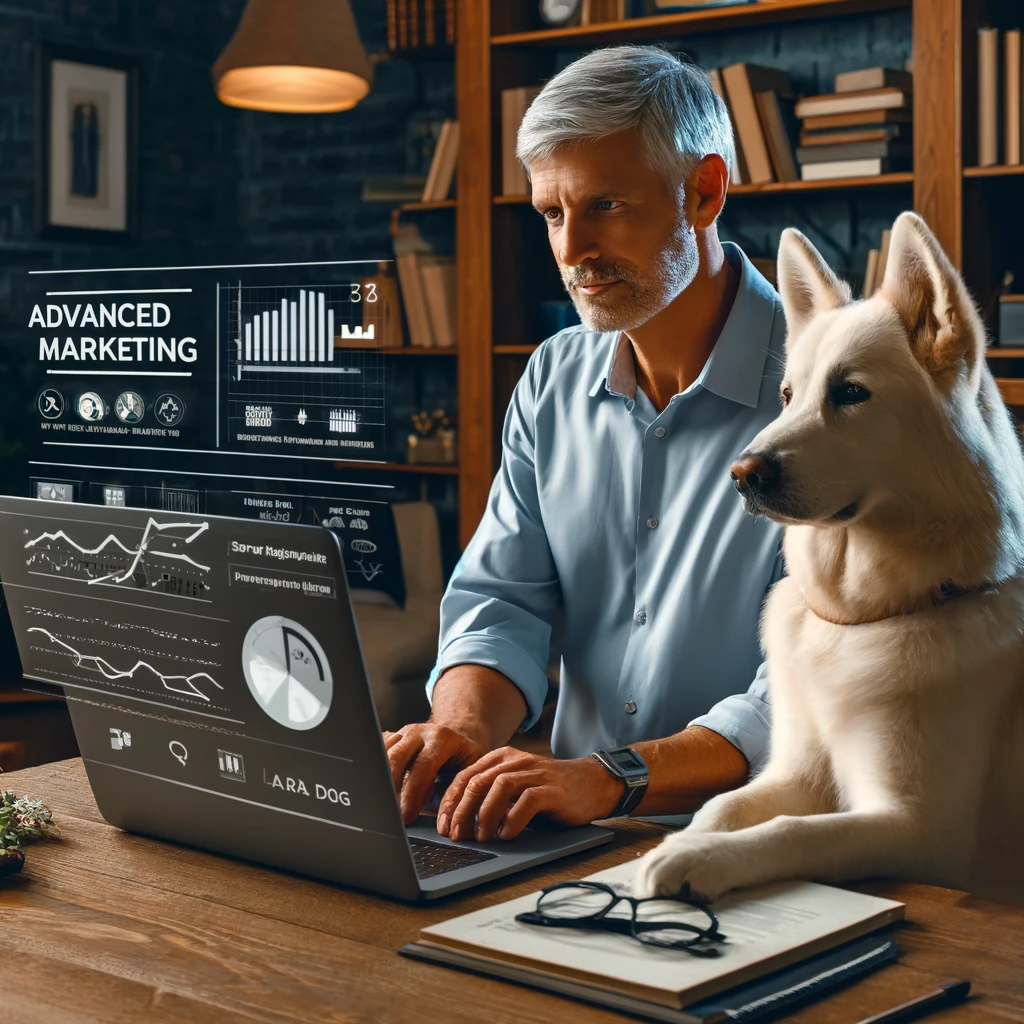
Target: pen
<point>945,996</point>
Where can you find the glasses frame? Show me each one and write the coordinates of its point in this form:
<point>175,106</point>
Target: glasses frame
<point>639,930</point>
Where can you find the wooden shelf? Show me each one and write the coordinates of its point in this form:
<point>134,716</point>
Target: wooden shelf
<point>1012,390</point>
<point>433,204</point>
<point>514,350</point>
<point>997,171</point>
<point>690,22</point>
<point>1005,353</point>
<point>775,187</point>
<point>871,181</point>
<point>442,469</point>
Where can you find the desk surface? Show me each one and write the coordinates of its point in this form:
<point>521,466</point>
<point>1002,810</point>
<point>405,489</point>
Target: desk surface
<point>105,926</point>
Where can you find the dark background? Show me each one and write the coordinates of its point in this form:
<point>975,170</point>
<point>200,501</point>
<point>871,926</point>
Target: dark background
<point>215,184</point>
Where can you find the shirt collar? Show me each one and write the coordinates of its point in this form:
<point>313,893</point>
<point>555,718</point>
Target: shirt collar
<point>736,366</point>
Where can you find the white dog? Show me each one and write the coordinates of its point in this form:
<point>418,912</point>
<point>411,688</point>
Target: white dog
<point>895,646</point>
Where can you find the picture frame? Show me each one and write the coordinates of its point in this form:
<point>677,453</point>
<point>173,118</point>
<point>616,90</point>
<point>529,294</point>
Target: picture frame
<point>86,145</point>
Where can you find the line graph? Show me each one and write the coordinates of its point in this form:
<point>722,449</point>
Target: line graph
<point>137,554</point>
<point>188,685</point>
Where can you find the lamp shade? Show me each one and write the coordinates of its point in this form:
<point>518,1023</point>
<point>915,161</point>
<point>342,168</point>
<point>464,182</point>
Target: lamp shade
<point>294,56</point>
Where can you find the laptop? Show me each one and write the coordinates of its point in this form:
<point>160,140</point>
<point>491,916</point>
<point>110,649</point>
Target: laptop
<point>217,689</point>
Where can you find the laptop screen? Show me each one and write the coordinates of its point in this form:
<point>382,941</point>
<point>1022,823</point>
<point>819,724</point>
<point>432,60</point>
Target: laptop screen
<point>214,677</point>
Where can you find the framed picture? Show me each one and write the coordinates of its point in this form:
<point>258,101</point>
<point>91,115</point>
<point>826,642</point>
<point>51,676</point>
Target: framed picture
<point>86,145</point>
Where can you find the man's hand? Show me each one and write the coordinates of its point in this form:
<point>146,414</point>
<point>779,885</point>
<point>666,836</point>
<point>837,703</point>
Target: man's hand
<point>424,750</point>
<point>498,794</point>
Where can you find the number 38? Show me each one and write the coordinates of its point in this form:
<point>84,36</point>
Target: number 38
<point>357,292</point>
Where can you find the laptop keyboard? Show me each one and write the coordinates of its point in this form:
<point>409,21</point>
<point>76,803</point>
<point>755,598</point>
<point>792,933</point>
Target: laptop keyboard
<point>438,858</point>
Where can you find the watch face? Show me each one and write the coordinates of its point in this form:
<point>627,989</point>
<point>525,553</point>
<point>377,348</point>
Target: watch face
<point>626,759</point>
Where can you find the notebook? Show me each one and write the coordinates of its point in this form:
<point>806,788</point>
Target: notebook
<point>768,928</point>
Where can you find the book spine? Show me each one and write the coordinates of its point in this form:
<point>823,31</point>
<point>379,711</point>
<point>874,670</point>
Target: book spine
<point>402,8</point>
<point>392,14</point>
<point>748,124</point>
<point>449,22</point>
<point>844,169</point>
<point>736,175</point>
<point>415,39</point>
<point>1013,96</point>
<point>429,22</point>
<point>883,257</point>
<point>870,273</point>
<point>988,98</point>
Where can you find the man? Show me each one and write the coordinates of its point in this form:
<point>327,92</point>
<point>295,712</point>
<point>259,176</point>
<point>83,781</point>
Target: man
<point>613,505</point>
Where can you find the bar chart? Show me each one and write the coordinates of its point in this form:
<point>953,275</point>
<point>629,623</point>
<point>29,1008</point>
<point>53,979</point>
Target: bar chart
<point>292,382</point>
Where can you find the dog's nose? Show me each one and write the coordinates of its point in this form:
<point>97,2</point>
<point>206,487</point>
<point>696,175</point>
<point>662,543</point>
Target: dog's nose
<point>753,472</point>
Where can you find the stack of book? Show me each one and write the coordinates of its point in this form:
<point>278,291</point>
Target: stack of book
<point>993,143</point>
<point>427,283</point>
<point>420,24</point>
<point>862,129</point>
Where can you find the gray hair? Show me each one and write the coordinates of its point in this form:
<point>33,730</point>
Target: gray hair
<point>680,116</point>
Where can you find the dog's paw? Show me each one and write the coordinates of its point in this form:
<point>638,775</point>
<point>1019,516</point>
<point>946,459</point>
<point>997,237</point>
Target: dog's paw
<point>723,813</point>
<point>686,864</point>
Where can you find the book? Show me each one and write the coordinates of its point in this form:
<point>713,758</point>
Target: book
<point>410,247</point>
<point>594,12</point>
<point>392,22</point>
<point>831,137</point>
<point>988,96</point>
<point>442,166</point>
<point>779,126</point>
<point>738,174</point>
<point>449,22</point>
<point>883,258</point>
<point>402,15</point>
<point>870,273</point>
<point>866,168</point>
<point>850,102</point>
<point>771,927</point>
<point>891,148</point>
<point>1012,101</point>
<point>429,22</point>
<point>514,104</point>
<point>873,78</point>
<point>438,277</point>
<point>857,118</point>
<point>741,81</point>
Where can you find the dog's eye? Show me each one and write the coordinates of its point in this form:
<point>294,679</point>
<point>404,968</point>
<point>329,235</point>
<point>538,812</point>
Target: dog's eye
<point>849,393</point>
<point>785,395</point>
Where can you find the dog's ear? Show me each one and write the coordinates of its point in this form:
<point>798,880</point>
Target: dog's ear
<point>806,283</point>
<point>929,296</point>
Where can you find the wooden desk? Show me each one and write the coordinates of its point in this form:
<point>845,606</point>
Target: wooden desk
<point>105,926</point>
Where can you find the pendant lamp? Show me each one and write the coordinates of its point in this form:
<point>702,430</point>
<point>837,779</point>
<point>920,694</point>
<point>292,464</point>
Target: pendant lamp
<point>294,56</point>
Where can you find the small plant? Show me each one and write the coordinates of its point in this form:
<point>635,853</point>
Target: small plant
<point>20,819</point>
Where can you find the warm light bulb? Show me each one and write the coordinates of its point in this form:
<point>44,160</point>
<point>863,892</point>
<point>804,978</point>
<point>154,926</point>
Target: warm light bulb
<point>289,89</point>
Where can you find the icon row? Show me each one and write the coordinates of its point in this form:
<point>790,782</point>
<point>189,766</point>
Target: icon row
<point>129,407</point>
<point>232,766</point>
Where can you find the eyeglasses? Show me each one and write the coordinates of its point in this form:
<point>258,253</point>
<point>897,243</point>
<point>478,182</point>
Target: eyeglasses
<point>588,905</point>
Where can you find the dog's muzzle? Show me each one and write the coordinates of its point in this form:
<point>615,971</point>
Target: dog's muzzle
<point>756,476</point>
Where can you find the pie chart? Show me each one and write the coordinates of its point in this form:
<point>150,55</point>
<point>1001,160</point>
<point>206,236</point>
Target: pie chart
<point>287,672</point>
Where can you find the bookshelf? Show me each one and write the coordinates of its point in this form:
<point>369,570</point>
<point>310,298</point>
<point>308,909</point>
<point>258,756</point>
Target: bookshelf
<point>505,267</point>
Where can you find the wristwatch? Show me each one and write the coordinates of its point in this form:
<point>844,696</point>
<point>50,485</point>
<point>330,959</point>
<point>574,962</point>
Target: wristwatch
<point>625,764</point>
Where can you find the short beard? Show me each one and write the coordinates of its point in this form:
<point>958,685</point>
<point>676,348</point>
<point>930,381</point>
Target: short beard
<point>642,294</point>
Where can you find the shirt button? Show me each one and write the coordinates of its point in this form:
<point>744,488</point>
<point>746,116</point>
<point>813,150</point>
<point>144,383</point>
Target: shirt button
<point>659,431</point>
<point>652,523</point>
<point>641,617</point>
<point>630,707</point>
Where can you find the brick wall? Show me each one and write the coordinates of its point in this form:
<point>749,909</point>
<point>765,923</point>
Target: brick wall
<point>216,184</point>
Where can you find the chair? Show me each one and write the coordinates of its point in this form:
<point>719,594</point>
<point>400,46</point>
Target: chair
<point>400,644</point>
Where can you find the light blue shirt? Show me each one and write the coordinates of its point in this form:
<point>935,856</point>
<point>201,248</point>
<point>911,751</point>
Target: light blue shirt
<point>626,523</point>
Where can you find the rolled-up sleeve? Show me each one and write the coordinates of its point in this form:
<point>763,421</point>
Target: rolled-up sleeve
<point>499,605</point>
<point>745,719</point>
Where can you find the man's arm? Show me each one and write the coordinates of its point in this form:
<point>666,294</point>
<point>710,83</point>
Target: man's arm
<point>496,616</point>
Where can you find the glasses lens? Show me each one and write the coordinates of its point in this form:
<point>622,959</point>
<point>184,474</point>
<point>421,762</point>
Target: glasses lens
<point>575,901</point>
<point>670,923</point>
